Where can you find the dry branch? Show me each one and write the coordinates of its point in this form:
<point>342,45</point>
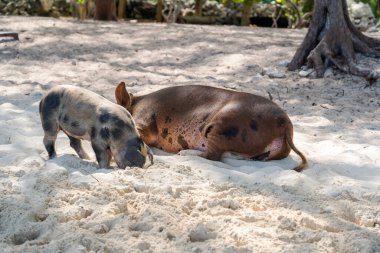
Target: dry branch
<point>9,34</point>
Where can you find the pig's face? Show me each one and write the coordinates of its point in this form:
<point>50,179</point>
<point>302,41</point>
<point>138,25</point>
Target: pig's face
<point>132,153</point>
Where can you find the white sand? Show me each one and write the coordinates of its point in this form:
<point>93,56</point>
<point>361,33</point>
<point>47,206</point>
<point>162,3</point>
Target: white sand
<point>185,203</point>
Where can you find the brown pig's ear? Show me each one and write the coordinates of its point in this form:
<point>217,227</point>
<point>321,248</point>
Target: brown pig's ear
<point>123,98</point>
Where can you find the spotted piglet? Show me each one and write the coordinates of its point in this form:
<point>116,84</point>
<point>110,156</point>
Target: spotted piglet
<point>82,114</point>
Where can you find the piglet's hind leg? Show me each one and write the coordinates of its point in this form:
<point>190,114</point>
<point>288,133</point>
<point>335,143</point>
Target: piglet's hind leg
<point>76,144</point>
<point>49,142</point>
<point>51,130</point>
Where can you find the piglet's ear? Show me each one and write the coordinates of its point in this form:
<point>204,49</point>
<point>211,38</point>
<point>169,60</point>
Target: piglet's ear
<point>123,98</point>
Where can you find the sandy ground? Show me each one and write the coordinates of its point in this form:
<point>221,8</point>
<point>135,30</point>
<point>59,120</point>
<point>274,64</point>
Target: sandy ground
<point>184,203</point>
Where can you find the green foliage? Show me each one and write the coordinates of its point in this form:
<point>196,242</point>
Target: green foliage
<point>246,2</point>
<point>297,2</point>
<point>308,6</point>
<point>373,5</point>
<point>81,1</point>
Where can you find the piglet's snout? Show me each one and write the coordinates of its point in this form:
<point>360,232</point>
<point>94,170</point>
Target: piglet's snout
<point>136,158</point>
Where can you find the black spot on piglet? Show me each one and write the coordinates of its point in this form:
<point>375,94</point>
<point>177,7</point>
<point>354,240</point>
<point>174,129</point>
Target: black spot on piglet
<point>52,100</point>
<point>48,126</point>
<point>104,133</point>
<point>93,132</point>
<point>50,104</point>
<point>116,132</point>
<point>104,117</point>
<point>117,121</point>
<point>75,124</point>
<point>135,142</point>
<point>65,119</point>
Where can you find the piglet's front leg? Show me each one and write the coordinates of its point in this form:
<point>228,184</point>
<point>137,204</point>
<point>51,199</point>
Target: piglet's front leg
<point>102,153</point>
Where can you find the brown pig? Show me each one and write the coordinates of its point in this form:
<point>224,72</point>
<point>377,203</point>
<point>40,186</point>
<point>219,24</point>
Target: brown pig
<point>83,114</point>
<point>212,120</point>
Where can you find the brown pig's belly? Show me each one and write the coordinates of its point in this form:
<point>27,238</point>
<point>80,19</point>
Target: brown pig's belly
<point>182,137</point>
<point>176,136</point>
<point>270,152</point>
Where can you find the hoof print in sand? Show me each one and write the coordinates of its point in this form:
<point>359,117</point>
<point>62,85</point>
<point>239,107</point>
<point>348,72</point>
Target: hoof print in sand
<point>100,229</point>
<point>142,227</point>
<point>201,233</point>
<point>38,217</point>
<point>118,208</point>
<point>143,246</point>
<point>22,236</point>
<point>79,214</point>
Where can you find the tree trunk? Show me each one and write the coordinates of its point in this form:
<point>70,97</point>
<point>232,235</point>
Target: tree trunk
<point>198,7</point>
<point>246,14</point>
<point>159,8</point>
<point>121,9</point>
<point>332,39</point>
<point>82,12</point>
<point>105,10</point>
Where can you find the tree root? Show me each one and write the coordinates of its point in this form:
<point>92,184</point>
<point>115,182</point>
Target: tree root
<point>333,40</point>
